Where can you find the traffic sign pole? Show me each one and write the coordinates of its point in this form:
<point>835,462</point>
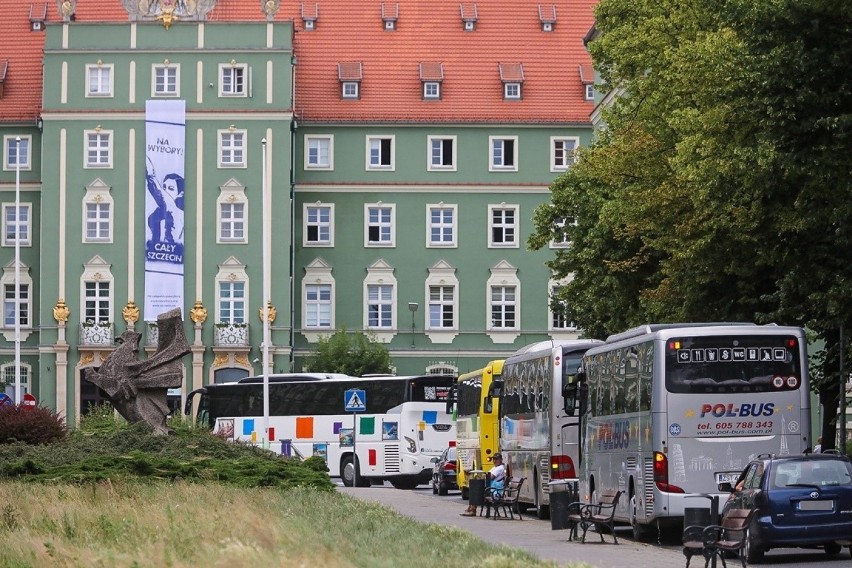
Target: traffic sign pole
<point>354,401</point>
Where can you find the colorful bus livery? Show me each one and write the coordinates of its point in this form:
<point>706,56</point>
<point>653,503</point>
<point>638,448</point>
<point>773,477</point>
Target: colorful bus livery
<point>404,427</point>
<point>674,409</point>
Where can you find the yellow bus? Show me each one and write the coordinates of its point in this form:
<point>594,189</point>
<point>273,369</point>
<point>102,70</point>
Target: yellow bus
<point>477,425</point>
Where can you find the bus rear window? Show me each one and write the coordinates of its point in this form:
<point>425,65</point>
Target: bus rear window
<point>723,364</point>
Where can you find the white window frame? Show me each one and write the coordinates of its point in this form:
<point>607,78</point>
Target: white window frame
<point>317,273</point>
<point>441,274</point>
<point>25,372</point>
<point>102,147</point>
<point>376,143</point>
<point>503,275</point>
<point>589,92</point>
<point>233,90</point>
<point>26,304</point>
<point>99,195</point>
<point>564,243</point>
<point>26,213</point>
<point>431,149</point>
<point>310,139</point>
<point>307,224</point>
<point>568,331</point>
<point>232,194</point>
<point>105,86</point>
<point>382,225</point>
<point>512,91</point>
<point>514,227</point>
<point>441,225</point>
<point>100,272</point>
<point>230,153</point>
<point>431,90</point>
<point>568,158</point>
<point>232,271</point>
<point>380,273</point>
<point>171,80</point>
<point>10,157</point>
<point>495,153</point>
<point>350,89</point>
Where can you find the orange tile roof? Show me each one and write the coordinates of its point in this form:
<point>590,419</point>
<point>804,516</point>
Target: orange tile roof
<point>22,49</point>
<point>432,30</point>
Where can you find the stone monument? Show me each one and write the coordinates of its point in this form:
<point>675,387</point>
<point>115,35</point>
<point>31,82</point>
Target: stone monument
<point>137,389</point>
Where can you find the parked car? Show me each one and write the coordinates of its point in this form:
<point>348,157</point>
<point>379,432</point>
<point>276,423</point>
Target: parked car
<point>800,501</point>
<point>444,472</point>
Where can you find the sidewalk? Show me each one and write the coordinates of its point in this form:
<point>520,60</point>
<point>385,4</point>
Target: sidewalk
<point>531,534</point>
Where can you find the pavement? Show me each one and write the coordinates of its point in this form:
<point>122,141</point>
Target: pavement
<point>530,534</point>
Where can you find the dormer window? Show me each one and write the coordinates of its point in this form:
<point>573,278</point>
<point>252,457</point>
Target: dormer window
<point>349,73</point>
<point>547,16</point>
<point>469,16</point>
<point>4,65</point>
<point>512,76</point>
<point>38,15</point>
<point>587,78</point>
<point>390,14</point>
<point>431,75</point>
<point>309,16</point>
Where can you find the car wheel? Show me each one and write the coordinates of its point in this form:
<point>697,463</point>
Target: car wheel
<point>833,549</point>
<point>442,489</point>
<point>465,493</point>
<point>752,551</point>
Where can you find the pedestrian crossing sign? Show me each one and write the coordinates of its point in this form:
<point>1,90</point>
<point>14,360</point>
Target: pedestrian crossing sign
<point>355,400</point>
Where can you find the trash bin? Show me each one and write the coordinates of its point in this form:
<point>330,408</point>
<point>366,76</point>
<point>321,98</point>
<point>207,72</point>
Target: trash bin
<point>476,490</point>
<point>696,516</point>
<point>563,492</point>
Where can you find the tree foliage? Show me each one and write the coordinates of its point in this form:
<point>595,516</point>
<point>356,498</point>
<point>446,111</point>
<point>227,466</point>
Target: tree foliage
<point>720,187</point>
<point>355,354</point>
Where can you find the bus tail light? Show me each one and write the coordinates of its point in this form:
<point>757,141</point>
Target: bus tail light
<point>371,458</point>
<point>562,467</point>
<point>661,474</point>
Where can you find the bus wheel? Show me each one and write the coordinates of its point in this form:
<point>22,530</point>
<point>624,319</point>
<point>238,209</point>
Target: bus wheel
<point>641,532</point>
<point>347,471</point>
<point>541,511</point>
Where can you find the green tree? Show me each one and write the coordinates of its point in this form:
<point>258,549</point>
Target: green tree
<point>720,188</point>
<point>355,354</point>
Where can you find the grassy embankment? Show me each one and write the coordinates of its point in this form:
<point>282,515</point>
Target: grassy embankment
<point>112,495</point>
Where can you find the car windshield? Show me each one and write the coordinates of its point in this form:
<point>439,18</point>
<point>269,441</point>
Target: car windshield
<point>813,472</point>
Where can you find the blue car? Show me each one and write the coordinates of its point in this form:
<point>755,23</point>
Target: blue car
<point>801,501</point>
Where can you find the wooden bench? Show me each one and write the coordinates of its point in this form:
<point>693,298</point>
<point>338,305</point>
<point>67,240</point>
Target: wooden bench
<point>727,537</point>
<point>600,514</point>
<point>505,499</point>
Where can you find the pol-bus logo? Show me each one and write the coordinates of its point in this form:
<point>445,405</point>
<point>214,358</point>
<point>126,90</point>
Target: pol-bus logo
<point>674,429</point>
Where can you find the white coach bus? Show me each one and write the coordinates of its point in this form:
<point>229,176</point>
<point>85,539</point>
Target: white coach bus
<point>404,426</point>
<point>539,422</point>
<point>675,409</point>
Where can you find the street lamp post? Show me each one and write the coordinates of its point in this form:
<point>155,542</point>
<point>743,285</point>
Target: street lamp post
<point>18,270</point>
<point>267,222</point>
<point>413,307</point>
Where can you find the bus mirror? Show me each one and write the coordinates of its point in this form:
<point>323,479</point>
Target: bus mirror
<point>488,407</point>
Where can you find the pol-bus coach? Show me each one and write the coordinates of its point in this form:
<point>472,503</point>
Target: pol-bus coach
<point>539,422</point>
<point>404,426</point>
<point>477,426</point>
<point>675,409</point>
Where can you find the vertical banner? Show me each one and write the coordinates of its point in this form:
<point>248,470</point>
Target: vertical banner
<point>165,125</point>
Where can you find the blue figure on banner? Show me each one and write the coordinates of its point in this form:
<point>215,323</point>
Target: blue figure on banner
<point>166,221</point>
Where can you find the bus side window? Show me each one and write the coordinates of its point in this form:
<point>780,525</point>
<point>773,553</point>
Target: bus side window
<point>570,391</point>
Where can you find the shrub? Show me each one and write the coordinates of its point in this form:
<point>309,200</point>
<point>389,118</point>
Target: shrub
<point>39,425</point>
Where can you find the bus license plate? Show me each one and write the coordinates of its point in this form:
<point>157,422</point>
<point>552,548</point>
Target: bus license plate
<point>727,477</point>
